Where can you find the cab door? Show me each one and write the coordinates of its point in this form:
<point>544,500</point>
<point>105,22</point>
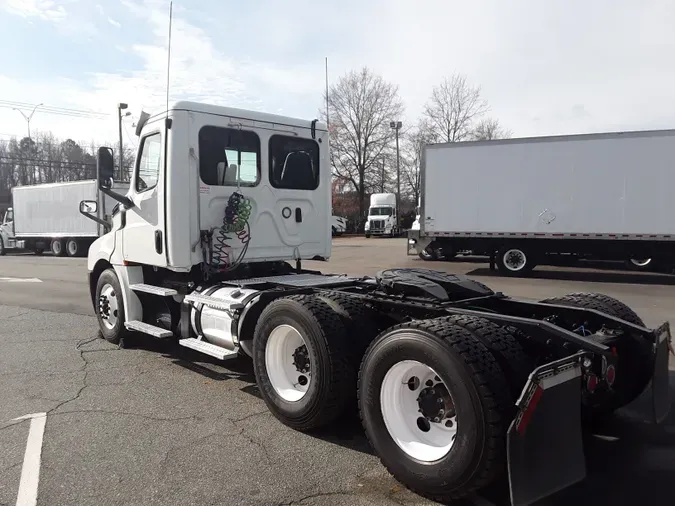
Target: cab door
<point>143,233</point>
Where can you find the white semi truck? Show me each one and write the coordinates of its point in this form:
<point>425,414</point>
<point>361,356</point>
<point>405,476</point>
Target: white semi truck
<point>605,196</point>
<point>382,215</point>
<point>46,217</point>
<point>455,383</point>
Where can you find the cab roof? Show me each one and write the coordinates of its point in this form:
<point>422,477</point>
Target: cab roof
<point>243,114</point>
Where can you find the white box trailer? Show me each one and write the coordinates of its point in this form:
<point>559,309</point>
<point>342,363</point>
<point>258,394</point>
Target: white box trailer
<point>48,217</point>
<point>605,196</point>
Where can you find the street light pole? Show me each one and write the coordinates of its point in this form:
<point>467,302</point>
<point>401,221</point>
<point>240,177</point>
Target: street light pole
<point>29,117</point>
<point>121,106</point>
<point>396,125</point>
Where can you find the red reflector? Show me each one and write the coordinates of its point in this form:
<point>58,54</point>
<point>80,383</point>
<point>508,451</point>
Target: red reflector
<point>592,382</point>
<point>529,409</point>
<point>610,375</point>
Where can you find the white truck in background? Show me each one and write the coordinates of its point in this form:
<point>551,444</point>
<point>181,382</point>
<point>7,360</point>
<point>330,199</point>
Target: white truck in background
<point>48,217</point>
<point>338,225</point>
<point>604,196</point>
<point>382,215</point>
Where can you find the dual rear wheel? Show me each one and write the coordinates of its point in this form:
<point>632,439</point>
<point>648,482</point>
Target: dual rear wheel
<point>434,400</point>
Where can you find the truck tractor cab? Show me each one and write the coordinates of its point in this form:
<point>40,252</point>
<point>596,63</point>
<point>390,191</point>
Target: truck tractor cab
<point>382,215</point>
<point>7,231</point>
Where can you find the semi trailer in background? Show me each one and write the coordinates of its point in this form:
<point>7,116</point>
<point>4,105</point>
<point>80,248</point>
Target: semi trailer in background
<point>601,196</point>
<point>47,217</point>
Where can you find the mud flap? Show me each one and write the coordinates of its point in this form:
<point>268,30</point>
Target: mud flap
<point>544,442</point>
<point>661,378</point>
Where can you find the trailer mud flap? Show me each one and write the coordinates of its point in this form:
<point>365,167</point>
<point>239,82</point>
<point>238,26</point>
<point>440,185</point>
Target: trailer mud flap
<point>661,378</point>
<point>544,442</point>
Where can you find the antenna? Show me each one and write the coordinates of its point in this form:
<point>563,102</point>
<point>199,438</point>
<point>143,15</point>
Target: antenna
<point>168,60</point>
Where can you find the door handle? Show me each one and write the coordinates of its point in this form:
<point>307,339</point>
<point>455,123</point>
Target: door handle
<point>298,215</point>
<point>158,241</point>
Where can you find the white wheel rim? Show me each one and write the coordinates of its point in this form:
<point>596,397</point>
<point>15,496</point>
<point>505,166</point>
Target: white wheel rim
<point>289,378</point>
<point>514,259</point>
<point>72,247</point>
<point>640,263</point>
<point>107,306</point>
<point>56,247</point>
<point>402,417</point>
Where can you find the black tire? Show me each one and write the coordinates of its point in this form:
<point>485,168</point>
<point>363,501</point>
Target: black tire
<point>480,394</point>
<point>72,247</point>
<point>359,321</point>
<point>367,236</point>
<point>507,252</point>
<point>333,381</point>
<point>57,248</point>
<point>634,368</point>
<point>38,251</point>
<point>3,252</point>
<point>504,347</point>
<point>115,334</point>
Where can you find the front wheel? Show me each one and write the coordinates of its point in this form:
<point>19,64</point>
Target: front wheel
<point>110,307</point>
<point>435,407</point>
<point>2,248</point>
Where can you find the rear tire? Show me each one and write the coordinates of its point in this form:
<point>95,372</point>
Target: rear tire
<point>514,261</point>
<point>2,248</point>
<point>504,347</point>
<point>634,369</point>
<point>57,248</point>
<point>73,248</point>
<point>479,398</point>
<point>298,337</point>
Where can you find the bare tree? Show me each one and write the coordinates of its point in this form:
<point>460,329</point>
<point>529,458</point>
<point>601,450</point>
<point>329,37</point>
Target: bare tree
<point>360,106</point>
<point>488,129</point>
<point>453,108</point>
<point>413,146</point>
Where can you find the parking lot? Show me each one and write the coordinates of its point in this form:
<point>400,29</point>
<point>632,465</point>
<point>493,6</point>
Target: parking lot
<point>158,424</point>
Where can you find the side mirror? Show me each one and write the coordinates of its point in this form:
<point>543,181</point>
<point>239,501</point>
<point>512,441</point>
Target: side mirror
<point>105,167</point>
<point>88,206</point>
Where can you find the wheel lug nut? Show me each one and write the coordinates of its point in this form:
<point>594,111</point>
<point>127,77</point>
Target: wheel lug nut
<point>436,419</point>
<point>440,401</point>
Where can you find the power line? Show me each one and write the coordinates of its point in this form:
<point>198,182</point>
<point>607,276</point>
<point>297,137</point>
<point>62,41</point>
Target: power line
<point>63,111</point>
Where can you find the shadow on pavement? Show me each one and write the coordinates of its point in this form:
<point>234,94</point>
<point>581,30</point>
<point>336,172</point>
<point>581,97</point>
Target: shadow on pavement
<point>587,276</point>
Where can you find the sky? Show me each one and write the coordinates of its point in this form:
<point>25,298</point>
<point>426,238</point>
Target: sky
<point>545,67</point>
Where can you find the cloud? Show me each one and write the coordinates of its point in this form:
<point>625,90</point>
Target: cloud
<point>116,24</point>
<point>44,9</point>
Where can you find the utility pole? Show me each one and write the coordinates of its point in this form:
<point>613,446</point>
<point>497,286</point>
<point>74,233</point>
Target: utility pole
<point>29,117</point>
<point>382,178</point>
<point>121,106</point>
<point>396,125</point>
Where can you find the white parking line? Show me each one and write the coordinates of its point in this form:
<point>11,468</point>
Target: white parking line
<point>20,280</point>
<point>30,472</point>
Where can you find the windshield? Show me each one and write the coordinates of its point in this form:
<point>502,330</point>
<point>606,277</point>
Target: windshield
<point>380,211</point>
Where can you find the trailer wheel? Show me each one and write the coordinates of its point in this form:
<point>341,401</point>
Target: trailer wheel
<point>514,261</point>
<point>504,347</point>
<point>110,307</point>
<point>72,247</point>
<point>634,368</point>
<point>56,247</point>
<point>302,362</point>
<point>435,406</point>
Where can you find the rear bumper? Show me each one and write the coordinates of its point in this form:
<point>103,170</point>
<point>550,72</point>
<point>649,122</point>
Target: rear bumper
<point>544,442</point>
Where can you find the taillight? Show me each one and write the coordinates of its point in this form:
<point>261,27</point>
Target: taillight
<point>591,382</point>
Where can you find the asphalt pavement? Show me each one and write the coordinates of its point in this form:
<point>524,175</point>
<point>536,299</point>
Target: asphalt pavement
<point>155,423</point>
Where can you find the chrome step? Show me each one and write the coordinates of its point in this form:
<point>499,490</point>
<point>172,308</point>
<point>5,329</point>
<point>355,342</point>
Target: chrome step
<point>211,302</point>
<point>207,348</point>
<point>155,290</point>
<point>146,328</point>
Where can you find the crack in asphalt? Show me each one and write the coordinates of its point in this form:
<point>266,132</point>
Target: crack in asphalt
<point>85,364</point>
<point>14,315</point>
<point>257,413</point>
<point>259,444</point>
<point>128,413</point>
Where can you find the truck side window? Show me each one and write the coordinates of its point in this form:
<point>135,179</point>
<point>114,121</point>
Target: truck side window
<point>227,154</point>
<point>9,218</point>
<point>294,163</point>
<point>147,172</point>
